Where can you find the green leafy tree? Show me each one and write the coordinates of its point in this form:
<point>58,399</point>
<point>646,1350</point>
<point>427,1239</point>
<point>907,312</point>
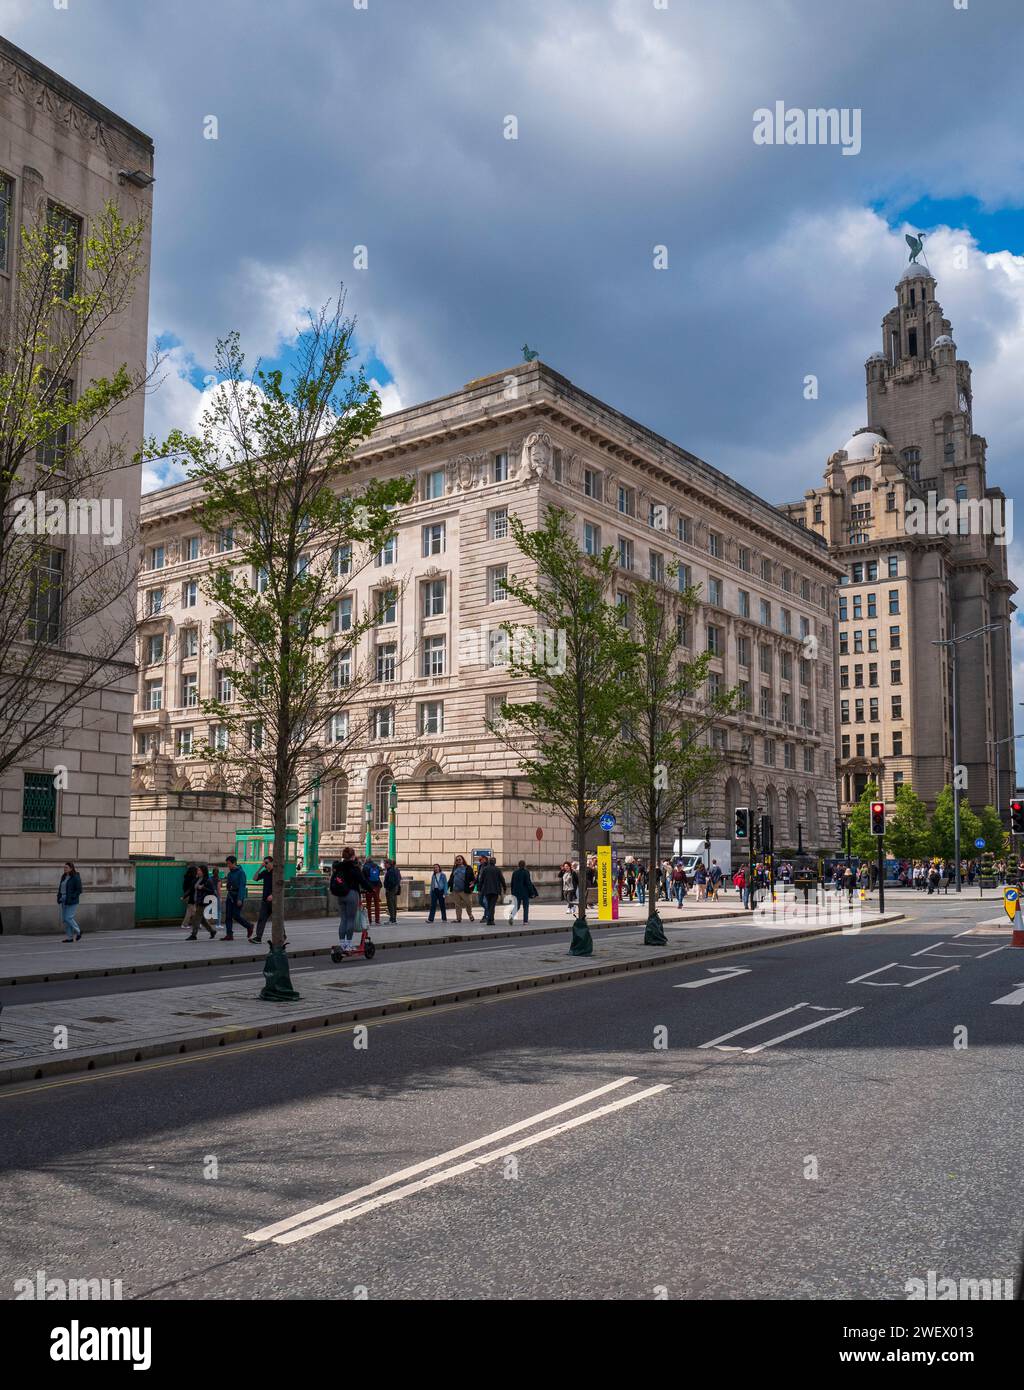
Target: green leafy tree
<point>992,832</point>
<point>908,830</point>
<point>273,460</point>
<point>568,739</point>
<point>942,834</point>
<point>667,713</point>
<point>67,611</point>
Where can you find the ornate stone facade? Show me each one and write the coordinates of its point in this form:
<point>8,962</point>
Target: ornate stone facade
<point>500,450</point>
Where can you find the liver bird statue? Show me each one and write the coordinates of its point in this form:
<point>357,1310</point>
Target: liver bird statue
<point>916,244</point>
<point>528,353</point>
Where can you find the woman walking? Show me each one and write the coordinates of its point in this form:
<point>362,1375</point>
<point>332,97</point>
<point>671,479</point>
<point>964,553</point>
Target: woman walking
<point>522,890</point>
<point>570,885</point>
<point>68,894</point>
<point>201,890</point>
<point>438,891</point>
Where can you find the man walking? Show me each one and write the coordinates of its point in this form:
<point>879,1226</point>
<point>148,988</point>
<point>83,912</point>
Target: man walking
<point>460,887</point>
<point>236,887</point>
<point>491,886</point>
<point>266,876</point>
<point>392,883</point>
<point>371,890</point>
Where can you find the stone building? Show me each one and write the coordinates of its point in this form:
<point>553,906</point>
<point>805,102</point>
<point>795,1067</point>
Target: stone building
<point>512,443</point>
<point>62,157</point>
<point>909,515</point>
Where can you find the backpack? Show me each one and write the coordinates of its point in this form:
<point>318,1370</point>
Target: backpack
<point>373,874</point>
<point>335,886</point>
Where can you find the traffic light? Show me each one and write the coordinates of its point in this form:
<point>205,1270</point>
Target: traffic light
<point>1017,817</point>
<point>742,828</point>
<point>878,817</point>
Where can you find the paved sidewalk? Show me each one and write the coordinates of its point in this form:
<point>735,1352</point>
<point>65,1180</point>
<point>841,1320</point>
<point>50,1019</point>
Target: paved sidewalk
<point>37,959</point>
<point>59,1036</point>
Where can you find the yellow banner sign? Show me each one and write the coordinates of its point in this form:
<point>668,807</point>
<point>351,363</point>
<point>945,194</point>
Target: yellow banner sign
<point>604,883</point>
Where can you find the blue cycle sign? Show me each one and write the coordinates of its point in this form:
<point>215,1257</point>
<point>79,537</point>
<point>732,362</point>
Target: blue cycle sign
<point>979,844</point>
<point>607,821</point>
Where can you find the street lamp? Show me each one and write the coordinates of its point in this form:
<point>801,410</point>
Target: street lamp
<point>953,644</point>
<point>392,820</point>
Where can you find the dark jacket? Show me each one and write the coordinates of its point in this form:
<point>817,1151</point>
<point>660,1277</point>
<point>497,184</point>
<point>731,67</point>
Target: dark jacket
<point>201,890</point>
<point>349,879</point>
<point>522,884</point>
<point>392,879</point>
<point>237,884</point>
<point>188,883</point>
<point>467,886</point>
<point>267,877</point>
<point>72,889</point>
<point>490,880</point>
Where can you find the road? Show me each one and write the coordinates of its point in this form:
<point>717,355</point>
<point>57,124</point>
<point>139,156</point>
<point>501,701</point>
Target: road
<point>838,1119</point>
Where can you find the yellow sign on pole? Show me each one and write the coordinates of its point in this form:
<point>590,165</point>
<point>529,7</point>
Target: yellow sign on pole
<point>1011,902</point>
<point>604,883</point>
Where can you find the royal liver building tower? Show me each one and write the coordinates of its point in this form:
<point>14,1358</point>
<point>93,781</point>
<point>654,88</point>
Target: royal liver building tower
<point>909,515</point>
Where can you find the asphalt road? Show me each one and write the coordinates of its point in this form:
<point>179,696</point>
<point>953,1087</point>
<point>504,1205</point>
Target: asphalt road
<point>860,1134</point>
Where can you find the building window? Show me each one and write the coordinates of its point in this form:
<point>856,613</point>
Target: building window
<point>786,665</point>
<point>714,640</point>
<point>556,466</point>
<point>185,742</point>
<point>434,655</point>
<point>435,593</point>
<point>591,538</point>
<point>6,204</point>
<point>715,591</point>
<point>895,678</point>
<point>382,796</point>
<point>897,782</point>
<point>387,606</point>
<point>224,634</point>
<point>499,467</point>
<point>52,451</point>
<point>808,759</point>
<point>496,577</point>
<point>497,523</point>
<point>625,553</point>
<point>627,501</point>
<point>844,612</point>
<point>786,711</point>
<point>858,711</point>
<point>433,484</point>
<point>872,639</point>
<point>656,563</point>
<point>894,566</point>
<point>389,553</point>
<point>432,717</point>
<point>593,484</point>
<point>683,577</point>
<point>818,516</point>
<point>254,736</point>
<point>219,738</point>
<point>336,802</point>
<point>744,559</point>
<point>766,702</point>
<point>894,601</point>
<point>897,707</point>
<point>190,641</point>
<point>341,672</point>
<point>497,647</point>
<point>844,644</point>
<point>860,484</point>
<point>766,613</point>
<point>189,593</point>
<point>787,622</point>
<point>873,709</point>
<point>64,233</point>
<point>769,752</point>
<point>744,604</point>
<point>787,581</point>
<point>225,539</point>
<point>39,804</point>
<point>46,596</point>
<point>743,702</point>
<point>743,651</point>
<point>894,637</point>
<point>190,549</point>
<point>684,530</point>
<point>225,688</point>
<point>383,721</point>
<point>433,539</point>
<point>846,746</point>
<point>190,690</point>
<point>153,695</point>
<point>897,744</point>
<point>343,614</point>
<point>625,609</point>
<point>765,660</point>
<point>341,561</point>
<point>157,555</point>
<point>386,660</point>
<point>789,756</point>
<point>337,727</point>
<point>875,745</point>
<point>715,544</point>
<point>154,649</point>
<point>682,630</point>
<point>873,673</point>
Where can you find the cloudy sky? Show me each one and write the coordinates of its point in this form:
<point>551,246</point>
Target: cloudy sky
<point>382,123</point>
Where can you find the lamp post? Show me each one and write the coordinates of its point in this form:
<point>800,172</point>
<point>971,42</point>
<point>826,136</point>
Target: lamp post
<point>369,828</point>
<point>953,643</point>
<point>392,820</point>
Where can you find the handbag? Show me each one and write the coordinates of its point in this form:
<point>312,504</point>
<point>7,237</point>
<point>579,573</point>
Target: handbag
<point>364,919</point>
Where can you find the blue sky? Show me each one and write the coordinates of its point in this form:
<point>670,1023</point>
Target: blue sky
<point>385,127</point>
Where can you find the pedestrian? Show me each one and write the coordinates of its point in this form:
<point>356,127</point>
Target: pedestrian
<point>631,880</point>
<point>203,900</point>
<point>188,882</point>
<point>265,876</point>
<point>460,886</point>
<point>392,883</point>
<point>679,883</point>
<point>371,890</point>
<point>700,878</point>
<point>570,887</point>
<point>214,888</point>
<point>523,890</point>
<point>491,886</point>
<point>641,883</point>
<point>235,889</point>
<point>849,881</point>
<point>69,893</point>
<point>438,892</point>
<point>714,880</point>
<point>739,882</point>
<point>347,886</point>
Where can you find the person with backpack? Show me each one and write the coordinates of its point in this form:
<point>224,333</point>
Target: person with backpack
<point>392,883</point>
<point>188,882</point>
<point>714,880</point>
<point>460,886</point>
<point>347,886</point>
<point>438,893</point>
<point>69,892</point>
<point>491,886</point>
<point>371,890</point>
<point>700,878</point>
<point>236,887</point>
<point>522,889</point>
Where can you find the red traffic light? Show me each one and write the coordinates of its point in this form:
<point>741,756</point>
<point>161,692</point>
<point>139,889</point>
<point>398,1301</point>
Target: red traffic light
<point>878,817</point>
<point>1017,817</point>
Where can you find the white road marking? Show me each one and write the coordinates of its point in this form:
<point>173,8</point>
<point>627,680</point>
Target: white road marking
<point>1017,997</point>
<point>958,955</point>
<point>268,1232</point>
<point>718,973</point>
<point>397,1194</point>
<point>819,1023</point>
<point>747,1026</point>
<point>898,984</point>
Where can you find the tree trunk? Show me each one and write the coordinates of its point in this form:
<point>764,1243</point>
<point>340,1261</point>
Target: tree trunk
<point>654,931</point>
<point>582,941</point>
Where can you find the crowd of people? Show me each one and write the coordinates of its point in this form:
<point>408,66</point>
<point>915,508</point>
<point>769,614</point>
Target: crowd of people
<point>672,882</point>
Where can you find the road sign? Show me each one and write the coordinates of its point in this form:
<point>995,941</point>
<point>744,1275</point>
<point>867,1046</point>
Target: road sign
<point>607,821</point>
<point>1011,901</point>
<point>604,883</point>
<point>979,844</point>
<point>539,833</point>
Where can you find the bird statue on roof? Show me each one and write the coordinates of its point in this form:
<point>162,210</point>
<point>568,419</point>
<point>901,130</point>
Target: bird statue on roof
<point>916,244</point>
<point>528,353</point>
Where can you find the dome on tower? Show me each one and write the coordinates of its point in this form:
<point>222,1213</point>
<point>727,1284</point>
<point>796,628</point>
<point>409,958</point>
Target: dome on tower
<point>916,272</point>
<point>944,340</point>
<point>860,447</point>
<point>875,357</point>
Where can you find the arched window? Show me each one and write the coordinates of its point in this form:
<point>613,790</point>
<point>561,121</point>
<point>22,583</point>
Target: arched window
<point>860,484</point>
<point>336,803</point>
<point>381,798</point>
